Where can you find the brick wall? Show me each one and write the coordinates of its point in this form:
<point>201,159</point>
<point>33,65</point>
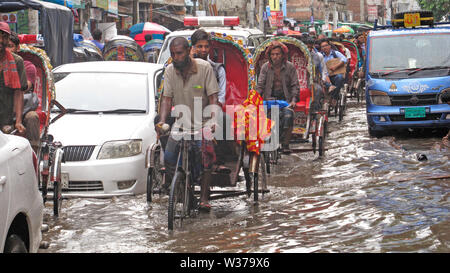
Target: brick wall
<point>354,5</point>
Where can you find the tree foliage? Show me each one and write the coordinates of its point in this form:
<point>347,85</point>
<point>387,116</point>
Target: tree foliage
<point>439,8</point>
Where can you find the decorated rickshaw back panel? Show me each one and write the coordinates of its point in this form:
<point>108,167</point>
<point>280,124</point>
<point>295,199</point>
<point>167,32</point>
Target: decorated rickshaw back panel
<point>44,85</point>
<point>236,68</point>
<point>354,56</point>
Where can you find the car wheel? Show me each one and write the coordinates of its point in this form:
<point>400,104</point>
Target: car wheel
<point>14,244</point>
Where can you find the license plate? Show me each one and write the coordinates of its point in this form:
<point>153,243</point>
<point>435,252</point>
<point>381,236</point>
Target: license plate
<point>416,112</point>
<point>65,180</point>
<point>412,19</point>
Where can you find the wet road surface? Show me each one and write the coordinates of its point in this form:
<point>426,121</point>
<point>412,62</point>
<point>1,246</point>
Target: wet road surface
<point>365,195</point>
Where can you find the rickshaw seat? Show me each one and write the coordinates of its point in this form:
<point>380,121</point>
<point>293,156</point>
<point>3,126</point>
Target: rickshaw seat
<point>303,104</point>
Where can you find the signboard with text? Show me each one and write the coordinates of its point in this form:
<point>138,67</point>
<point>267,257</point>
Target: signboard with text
<point>276,18</point>
<point>113,6</point>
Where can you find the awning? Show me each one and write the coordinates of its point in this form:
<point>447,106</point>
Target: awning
<point>66,3</point>
<point>11,5</point>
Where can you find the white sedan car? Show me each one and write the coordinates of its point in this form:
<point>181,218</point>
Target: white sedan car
<point>108,129</point>
<point>21,207</point>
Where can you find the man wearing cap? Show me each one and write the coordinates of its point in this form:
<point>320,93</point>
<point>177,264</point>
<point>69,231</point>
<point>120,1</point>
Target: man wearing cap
<point>278,80</point>
<point>31,102</point>
<point>13,82</point>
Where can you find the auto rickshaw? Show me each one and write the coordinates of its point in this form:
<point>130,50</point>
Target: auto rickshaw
<point>123,48</point>
<point>304,115</point>
<point>50,152</point>
<point>244,154</point>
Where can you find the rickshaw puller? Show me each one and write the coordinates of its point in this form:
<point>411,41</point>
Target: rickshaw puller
<point>278,80</point>
<point>184,80</point>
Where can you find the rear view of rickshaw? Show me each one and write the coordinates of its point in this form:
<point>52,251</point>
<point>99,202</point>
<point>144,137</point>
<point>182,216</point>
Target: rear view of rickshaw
<point>304,114</point>
<point>341,105</point>
<point>353,65</point>
<point>123,48</point>
<point>243,156</point>
<point>50,152</point>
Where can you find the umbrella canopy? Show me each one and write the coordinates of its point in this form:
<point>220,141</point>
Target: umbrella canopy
<point>344,29</point>
<point>293,32</point>
<point>139,31</point>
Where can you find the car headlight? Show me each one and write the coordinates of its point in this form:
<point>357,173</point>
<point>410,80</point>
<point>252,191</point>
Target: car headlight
<point>121,148</point>
<point>379,97</point>
<point>444,96</point>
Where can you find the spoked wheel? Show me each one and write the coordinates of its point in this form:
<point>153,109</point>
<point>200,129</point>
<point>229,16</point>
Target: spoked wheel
<point>155,177</point>
<point>267,162</point>
<point>341,112</point>
<point>57,197</point>
<point>248,181</point>
<point>360,91</point>
<point>314,142</point>
<point>176,211</point>
<point>321,145</point>
<point>55,176</point>
<point>264,173</point>
<point>181,201</point>
<point>44,176</point>
<point>322,138</point>
<point>255,186</point>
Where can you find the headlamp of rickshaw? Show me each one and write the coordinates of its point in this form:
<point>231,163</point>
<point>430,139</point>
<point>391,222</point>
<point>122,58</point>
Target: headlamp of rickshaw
<point>444,96</point>
<point>379,98</point>
<point>119,149</point>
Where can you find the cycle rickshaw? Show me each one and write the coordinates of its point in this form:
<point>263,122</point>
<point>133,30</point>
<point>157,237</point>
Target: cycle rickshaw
<point>308,120</point>
<point>123,48</point>
<point>353,66</point>
<point>341,105</point>
<point>243,158</point>
<point>86,51</point>
<point>50,153</point>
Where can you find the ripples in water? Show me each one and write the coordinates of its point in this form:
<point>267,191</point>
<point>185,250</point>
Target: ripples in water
<point>365,195</point>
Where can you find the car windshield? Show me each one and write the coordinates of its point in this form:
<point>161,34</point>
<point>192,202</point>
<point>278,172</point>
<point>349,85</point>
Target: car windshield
<point>165,51</point>
<point>101,91</point>
<point>406,53</point>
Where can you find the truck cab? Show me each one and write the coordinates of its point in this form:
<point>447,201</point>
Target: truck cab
<point>407,71</point>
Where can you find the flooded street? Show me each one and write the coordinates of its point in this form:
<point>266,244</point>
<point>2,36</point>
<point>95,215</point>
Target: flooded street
<point>365,195</point>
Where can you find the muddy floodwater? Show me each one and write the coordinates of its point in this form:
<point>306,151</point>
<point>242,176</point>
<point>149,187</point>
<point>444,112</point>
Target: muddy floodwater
<point>365,195</point>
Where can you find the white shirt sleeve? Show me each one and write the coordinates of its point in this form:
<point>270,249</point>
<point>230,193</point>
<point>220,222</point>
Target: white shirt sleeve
<point>222,85</point>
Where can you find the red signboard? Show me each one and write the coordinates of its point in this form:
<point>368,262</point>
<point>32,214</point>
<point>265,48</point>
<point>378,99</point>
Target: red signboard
<point>276,18</point>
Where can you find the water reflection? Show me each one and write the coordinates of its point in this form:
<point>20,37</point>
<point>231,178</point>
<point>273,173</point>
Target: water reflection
<point>366,195</point>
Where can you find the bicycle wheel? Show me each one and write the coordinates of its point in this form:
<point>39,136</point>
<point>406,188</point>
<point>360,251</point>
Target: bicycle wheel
<point>248,181</point>
<point>57,197</point>
<point>178,208</point>
<point>56,179</point>
<point>154,176</point>
<point>44,177</point>
<point>255,179</point>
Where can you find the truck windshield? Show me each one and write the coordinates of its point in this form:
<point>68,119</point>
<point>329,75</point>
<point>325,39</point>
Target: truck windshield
<point>406,53</point>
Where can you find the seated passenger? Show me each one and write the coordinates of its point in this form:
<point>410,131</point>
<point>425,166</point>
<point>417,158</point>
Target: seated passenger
<point>30,117</point>
<point>336,68</point>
